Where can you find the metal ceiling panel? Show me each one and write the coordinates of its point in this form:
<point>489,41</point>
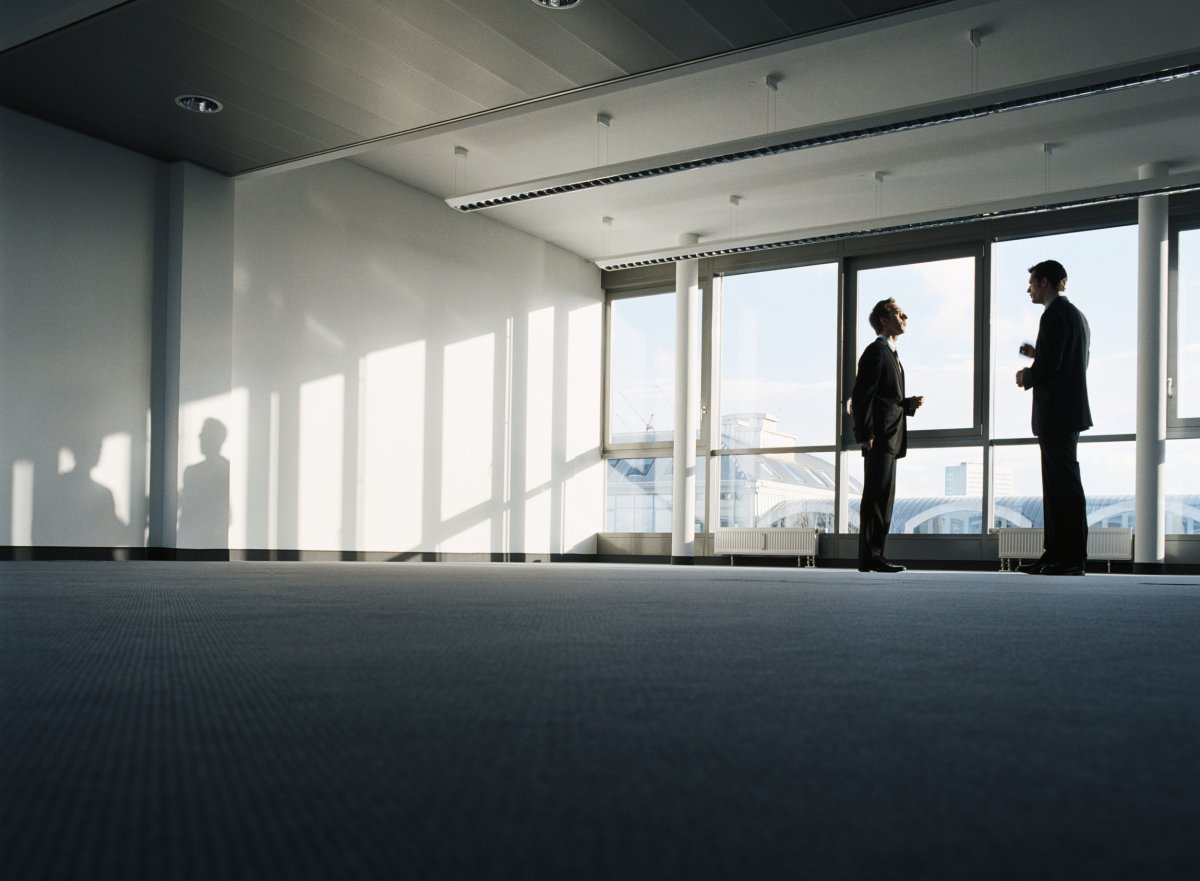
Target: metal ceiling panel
<point>548,36</point>
<point>302,77</point>
<point>750,22</point>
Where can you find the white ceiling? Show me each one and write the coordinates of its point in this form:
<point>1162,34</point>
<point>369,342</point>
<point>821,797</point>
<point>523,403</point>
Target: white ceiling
<point>398,85</point>
<point>918,58</point>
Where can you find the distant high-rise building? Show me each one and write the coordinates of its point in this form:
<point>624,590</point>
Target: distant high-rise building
<point>966,479</point>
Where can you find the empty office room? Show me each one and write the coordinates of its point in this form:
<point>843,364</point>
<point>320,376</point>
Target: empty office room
<point>599,439</point>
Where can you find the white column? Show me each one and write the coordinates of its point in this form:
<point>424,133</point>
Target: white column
<point>193,330</point>
<point>687,416</point>
<point>1149,546</point>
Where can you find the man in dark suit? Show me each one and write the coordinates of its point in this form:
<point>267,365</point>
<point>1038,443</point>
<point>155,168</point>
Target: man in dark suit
<point>1058,377</point>
<point>880,412</point>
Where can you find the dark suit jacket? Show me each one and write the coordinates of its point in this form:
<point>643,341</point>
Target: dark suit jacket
<point>878,404</point>
<point>1058,375</point>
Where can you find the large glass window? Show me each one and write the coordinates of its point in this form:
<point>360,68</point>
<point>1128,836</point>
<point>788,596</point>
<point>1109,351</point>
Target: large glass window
<point>1107,471</point>
<point>1017,484</point>
<point>1183,487</point>
<point>1187,327</point>
<point>938,492</point>
<point>938,349</point>
<point>779,489</point>
<point>779,358</point>
<point>1102,282</point>
<point>640,494</point>
<point>642,369</point>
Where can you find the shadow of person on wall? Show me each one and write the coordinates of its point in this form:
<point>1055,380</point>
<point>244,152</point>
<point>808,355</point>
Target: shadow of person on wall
<point>204,498</point>
<point>77,511</point>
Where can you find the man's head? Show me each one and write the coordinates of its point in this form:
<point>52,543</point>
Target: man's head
<point>212,436</point>
<point>1047,280</point>
<point>888,319</point>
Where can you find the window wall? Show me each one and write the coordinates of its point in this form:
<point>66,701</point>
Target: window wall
<point>641,400</point>
<point>1101,269</point>
<point>779,350</point>
<point>778,396</point>
<point>640,414</point>
<point>939,351</point>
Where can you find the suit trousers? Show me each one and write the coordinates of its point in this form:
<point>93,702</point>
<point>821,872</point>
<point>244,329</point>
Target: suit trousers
<point>875,511</point>
<point>1064,505</point>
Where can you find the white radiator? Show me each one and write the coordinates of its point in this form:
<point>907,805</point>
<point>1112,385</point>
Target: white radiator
<point>1104,543</point>
<point>799,542</point>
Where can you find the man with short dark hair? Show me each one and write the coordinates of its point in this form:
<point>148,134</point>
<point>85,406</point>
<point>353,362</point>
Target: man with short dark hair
<point>880,413</point>
<point>1058,378</point>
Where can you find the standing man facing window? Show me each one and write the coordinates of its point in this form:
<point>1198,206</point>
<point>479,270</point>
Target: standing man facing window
<point>1058,377</point>
<point>880,413</point>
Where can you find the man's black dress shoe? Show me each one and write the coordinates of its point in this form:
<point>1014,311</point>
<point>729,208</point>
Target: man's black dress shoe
<point>1062,569</point>
<point>1033,567</point>
<point>881,566</point>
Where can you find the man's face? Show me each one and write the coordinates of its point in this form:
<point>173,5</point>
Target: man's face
<point>1039,290</point>
<point>895,322</point>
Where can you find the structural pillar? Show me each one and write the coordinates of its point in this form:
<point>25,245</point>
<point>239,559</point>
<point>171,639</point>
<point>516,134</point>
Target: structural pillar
<point>192,340</point>
<point>1149,545</point>
<point>687,406</point>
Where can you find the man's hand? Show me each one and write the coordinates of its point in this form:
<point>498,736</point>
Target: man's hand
<point>868,444</point>
<point>1021,378</point>
<point>1028,350</point>
<point>917,401</point>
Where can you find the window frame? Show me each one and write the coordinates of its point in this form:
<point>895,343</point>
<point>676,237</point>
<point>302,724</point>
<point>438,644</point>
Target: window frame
<point>894,249</point>
<point>969,435</point>
<point>1178,427</point>
<point>711,402</point>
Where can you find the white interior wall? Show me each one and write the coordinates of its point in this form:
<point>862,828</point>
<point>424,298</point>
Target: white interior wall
<point>78,227</point>
<point>406,378</point>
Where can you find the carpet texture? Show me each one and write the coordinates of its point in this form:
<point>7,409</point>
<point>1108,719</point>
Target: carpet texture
<point>505,721</point>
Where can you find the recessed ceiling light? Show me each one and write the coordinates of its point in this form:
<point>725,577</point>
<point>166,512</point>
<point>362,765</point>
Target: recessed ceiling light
<point>199,103</point>
<point>557,4</point>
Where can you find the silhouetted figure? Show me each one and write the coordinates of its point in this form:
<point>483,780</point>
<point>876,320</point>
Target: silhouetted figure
<point>75,510</point>
<point>204,498</point>
<point>880,412</point>
<point>1058,377</point>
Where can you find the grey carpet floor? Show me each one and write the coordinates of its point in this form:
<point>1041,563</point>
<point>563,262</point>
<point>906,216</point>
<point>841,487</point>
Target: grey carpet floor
<point>503,721</point>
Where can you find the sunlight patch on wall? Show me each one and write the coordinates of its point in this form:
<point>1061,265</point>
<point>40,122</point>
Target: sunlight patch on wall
<point>391,463</point>
<point>539,390</point>
<point>113,470</point>
<point>467,422</point>
<point>583,379</point>
<point>322,445</point>
<point>539,528</point>
<point>583,507</point>
<point>22,503</point>
<point>273,471</point>
<point>475,539</point>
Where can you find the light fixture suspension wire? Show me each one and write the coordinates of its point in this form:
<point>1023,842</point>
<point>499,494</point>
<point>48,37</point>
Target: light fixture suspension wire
<point>772,84</point>
<point>975,39</point>
<point>878,194</point>
<point>603,124</point>
<point>460,170</point>
<point>734,201</point>
<point>606,236</point>
<point>1047,149</point>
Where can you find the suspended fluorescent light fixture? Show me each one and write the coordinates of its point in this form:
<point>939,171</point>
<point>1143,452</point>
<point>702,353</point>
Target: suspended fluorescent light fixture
<point>890,122</point>
<point>558,4</point>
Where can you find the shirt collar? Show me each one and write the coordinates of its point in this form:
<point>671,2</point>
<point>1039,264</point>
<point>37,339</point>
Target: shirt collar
<point>890,342</point>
